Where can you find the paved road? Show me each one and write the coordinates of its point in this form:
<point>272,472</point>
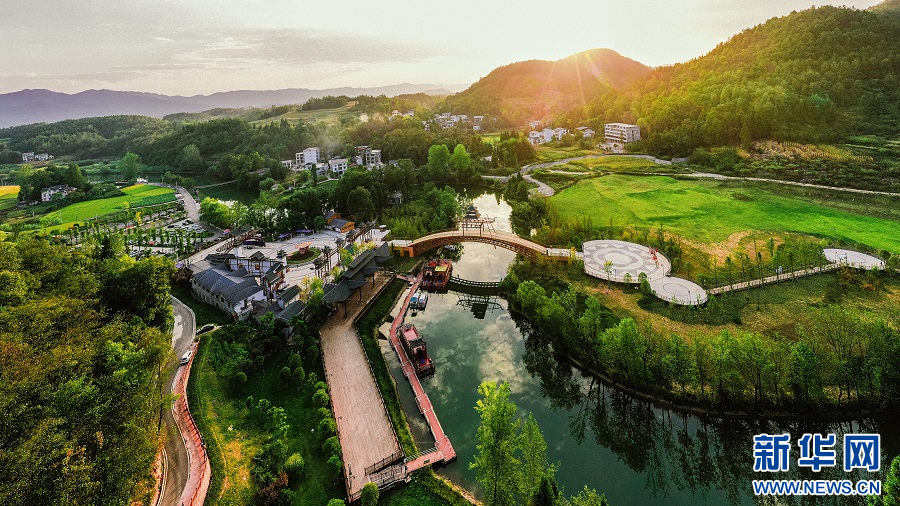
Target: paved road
<point>177,469</point>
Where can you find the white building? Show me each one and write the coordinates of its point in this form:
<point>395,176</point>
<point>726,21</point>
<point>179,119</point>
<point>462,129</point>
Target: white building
<point>287,164</point>
<point>535,137</point>
<point>533,124</point>
<point>367,156</point>
<point>43,157</point>
<point>321,169</point>
<point>28,157</point>
<point>231,292</point>
<point>586,132</point>
<point>559,133</point>
<point>48,193</point>
<point>621,133</point>
<point>308,156</point>
<point>338,166</point>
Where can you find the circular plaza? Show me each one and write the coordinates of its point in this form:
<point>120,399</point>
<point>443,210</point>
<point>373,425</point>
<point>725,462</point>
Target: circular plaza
<point>627,261</point>
<point>678,290</point>
<point>853,259</point>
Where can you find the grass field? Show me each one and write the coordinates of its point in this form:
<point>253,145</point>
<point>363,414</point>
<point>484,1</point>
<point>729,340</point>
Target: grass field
<point>230,191</point>
<point>8,197</point>
<point>223,417</point>
<point>622,164</point>
<point>136,196</point>
<point>552,154</point>
<point>709,212</point>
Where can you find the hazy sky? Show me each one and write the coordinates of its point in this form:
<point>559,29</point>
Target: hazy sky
<point>202,46</point>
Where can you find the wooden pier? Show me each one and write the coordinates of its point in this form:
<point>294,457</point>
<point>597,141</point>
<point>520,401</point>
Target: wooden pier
<point>443,451</point>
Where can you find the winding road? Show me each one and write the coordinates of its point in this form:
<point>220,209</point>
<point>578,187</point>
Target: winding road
<point>176,454</point>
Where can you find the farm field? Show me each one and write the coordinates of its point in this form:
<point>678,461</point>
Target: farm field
<point>8,197</point>
<point>552,154</point>
<point>709,212</point>
<point>136,196</point>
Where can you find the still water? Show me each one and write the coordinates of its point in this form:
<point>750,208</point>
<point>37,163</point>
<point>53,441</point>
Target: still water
<point>631,451</point>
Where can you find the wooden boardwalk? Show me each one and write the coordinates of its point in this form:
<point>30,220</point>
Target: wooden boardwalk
<point>364,427</point>
<point>753,283</point>
<point>443,451</point>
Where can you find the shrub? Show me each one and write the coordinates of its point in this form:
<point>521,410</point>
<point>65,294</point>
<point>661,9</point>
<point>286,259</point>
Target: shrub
<point>285,374</point>
<point>335,502</point>
<point>332,446</point>
<point>335,465</point>
<point>240,381</point>
<point>298,376</point>
<point>369,495</point>
<point>295,361</point>
<point>321,399</point>
<point>327,428</point>
<point>294,465</point>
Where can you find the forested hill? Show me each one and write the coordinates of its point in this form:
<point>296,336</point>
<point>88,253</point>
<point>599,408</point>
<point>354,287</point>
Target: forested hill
<point>817,75</point>
<point>537,88</point>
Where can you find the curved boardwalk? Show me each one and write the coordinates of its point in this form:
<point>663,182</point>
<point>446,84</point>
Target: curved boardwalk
<point>505,240</point>
<point>364,428</point>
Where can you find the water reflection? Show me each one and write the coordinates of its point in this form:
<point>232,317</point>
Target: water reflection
<point>634,452</point>
<point>677,453</point>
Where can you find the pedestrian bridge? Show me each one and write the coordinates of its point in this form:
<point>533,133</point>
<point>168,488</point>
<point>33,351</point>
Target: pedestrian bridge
<point>505,240</point>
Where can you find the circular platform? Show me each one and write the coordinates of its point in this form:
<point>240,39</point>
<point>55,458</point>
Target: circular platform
<point>627,258</point>
<point>853,258</point>
<point>680,291</point>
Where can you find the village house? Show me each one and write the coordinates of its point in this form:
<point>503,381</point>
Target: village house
<point>621,133</point>
<point>338,166</point>
<point>333,221</point>
<point>586,132</point>
<point>47,194</point>
<point>231,292</point>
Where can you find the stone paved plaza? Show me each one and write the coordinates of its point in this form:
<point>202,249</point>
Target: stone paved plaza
<point>626,257</point>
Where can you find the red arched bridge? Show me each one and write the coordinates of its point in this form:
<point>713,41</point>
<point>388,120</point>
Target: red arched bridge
<point>505,240</point>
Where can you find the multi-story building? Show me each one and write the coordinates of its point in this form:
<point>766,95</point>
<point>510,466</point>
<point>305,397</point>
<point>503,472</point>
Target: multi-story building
<point>338,166</point>
<point>622,133</point>
<point>308,156</point>
<point>367,156</point>
<point>28,157</point>
<point>42,157</point>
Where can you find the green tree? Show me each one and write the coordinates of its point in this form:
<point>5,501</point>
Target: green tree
<point>534,457</point>
<point>495,462</point>
<point>369,495</point>
<point>438,166</point>
<point>359,204</point>
<point>128,166</point>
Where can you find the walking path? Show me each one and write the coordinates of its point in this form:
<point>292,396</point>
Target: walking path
<point>547,191</point>
<point>364,427</point>
<point>444,450</point>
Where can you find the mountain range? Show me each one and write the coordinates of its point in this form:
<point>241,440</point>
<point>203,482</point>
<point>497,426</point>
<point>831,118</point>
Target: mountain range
<point>35,106</point>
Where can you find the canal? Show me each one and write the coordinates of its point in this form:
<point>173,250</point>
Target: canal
<point>632,451</point>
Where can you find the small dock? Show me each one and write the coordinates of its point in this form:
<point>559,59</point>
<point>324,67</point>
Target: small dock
<point>443,451</point>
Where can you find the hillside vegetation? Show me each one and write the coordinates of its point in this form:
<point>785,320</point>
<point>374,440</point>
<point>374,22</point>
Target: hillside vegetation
<point>538,88</point>
<point>818,75</point>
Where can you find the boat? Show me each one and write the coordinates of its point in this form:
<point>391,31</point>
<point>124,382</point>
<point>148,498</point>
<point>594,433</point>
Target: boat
<point>436,274</point>
<point>416,350</point>
<point>418,300</point>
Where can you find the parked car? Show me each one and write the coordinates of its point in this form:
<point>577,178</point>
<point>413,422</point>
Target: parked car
<point>206,328</point>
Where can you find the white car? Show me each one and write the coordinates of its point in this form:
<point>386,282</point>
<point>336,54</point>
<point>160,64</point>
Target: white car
<point>187,357</point>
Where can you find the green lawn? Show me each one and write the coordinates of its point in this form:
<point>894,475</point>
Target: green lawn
<point>552,154</point>
<point>222,415</point>
<point>230,191</point>
<point>620,164</point>
<point>309,256</point>
<point>8,197</point>
<point>136,196</point>
<point>709,211</point>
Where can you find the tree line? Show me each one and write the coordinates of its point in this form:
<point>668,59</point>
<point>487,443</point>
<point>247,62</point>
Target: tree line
<point>840,360</point>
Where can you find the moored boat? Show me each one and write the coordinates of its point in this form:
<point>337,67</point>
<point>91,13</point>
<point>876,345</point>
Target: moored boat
<point>436,274</point>
<point>416,350</point>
